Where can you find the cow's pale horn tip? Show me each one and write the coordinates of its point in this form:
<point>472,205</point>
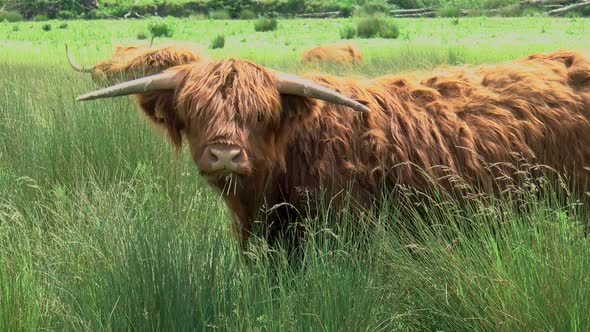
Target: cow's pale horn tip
<point>84,97</point>
<point>364,108</point>
<point>359,106</point>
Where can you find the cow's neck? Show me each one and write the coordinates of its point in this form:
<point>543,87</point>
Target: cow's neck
<point>245,203</point>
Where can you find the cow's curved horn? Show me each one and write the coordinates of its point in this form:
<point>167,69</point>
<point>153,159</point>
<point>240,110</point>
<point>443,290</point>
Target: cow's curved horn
<point>74,65</point>
<point>158,82</point>
<point>294,85</point>
<point>286,83</point>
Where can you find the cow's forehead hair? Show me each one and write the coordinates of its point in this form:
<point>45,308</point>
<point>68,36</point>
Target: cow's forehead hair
<point>229,89</point>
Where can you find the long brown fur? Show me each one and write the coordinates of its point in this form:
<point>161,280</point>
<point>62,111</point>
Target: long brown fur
<point>422,125</point>
<point>341,54</point>
<point>130,62</point>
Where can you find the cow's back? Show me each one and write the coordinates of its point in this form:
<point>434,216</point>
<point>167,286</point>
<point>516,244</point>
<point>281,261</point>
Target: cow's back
<point>473,123</point>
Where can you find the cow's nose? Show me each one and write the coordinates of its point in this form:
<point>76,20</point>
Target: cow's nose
<point>220,157</point>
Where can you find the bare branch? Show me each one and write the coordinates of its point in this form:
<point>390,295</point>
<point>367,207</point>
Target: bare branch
<point>575,6</point>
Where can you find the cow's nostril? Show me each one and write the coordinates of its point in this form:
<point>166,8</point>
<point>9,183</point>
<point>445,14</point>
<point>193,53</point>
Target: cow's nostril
<point>213,155</point>
<point>235,155</point>
<point>221,157</point>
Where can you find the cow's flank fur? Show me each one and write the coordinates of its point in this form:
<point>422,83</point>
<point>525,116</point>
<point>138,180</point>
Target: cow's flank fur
<point>347,54</point>
<point>133,62</point>
<point>462,118</point>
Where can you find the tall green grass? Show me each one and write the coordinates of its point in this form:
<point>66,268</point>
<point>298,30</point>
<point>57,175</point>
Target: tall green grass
<point>103,228</point>
<point>139,255</point>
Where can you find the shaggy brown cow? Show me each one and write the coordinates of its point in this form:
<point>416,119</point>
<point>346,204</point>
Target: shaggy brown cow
<point>274,138</point>
<point>130,62</point>
<point>341,54</point>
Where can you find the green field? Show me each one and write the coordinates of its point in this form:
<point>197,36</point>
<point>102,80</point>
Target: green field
<point>102,227</point>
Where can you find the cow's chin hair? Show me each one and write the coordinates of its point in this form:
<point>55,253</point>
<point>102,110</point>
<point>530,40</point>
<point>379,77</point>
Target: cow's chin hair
<point>228,183</point>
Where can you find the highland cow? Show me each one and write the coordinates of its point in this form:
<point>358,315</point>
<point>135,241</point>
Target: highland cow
<point>274,137</point>
<point>340,54</point>
<point>131,62</point>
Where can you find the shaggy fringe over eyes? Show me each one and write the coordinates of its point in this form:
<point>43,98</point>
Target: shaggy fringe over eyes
<point>338,54</point>
<point>231,90</point>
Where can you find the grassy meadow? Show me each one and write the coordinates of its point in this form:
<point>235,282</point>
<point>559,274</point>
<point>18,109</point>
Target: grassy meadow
<point>103,228</point>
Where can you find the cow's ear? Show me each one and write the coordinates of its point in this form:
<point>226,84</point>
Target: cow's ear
<point>296,108</point>
<point>302,109</point>
<point>160,109</point>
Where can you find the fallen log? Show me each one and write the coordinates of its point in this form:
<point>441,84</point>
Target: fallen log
<point>550,7</point>
<point>575,6</point>
<point>319,15</point>
<point>466,12</point>
<point>542,2</point>
<point>424,14</point>
<point>410,11</point>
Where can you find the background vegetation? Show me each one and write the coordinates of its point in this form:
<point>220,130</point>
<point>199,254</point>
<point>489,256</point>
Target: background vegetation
<point>224,9</point>
<point>103,228</point>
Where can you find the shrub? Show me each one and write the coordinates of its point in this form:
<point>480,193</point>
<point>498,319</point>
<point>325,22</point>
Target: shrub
<point>377,26</point>
<point>40,18</point>
<point>15,28</point>
<point>449,11</point>
<point>219,15</point>
<point>11,16</point>
<point>66,15</point>
<point>160,28</point>
<point>346,10</point>
<point>348,32</point>
<point>142,36</point>
<point>317,6</point>
<point>46,27</point>
<point>391,31</point>
<point>409,4</point>
<point>265,24</point>
<point>218,42</point>
<point>247,14</point>
<point>293,6</point>
<point>63,26</point>
<point>372,7</point>
<point>168,8</point>
<point>369,27</point>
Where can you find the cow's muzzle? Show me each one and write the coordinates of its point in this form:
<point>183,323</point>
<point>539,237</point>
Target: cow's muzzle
<point>222,158</point>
